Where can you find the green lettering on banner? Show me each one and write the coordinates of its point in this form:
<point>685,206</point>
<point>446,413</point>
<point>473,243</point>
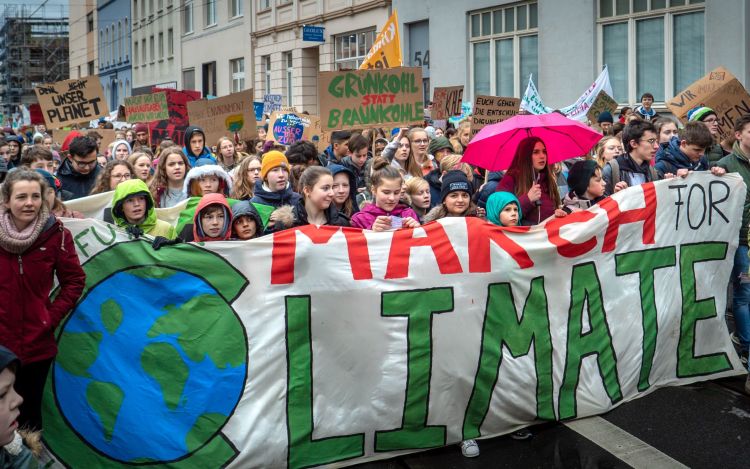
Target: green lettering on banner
<point>694,310</point>
<point>418,306</point>
<point>644,263</point>
<point>303,450</point>
<point>503,328</point>
<point>586,288</point>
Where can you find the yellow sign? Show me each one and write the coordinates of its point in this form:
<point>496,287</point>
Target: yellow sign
<point>386,50</point>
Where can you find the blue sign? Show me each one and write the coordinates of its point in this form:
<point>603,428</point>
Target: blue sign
<point>258,110</point>
<point>313,33</point>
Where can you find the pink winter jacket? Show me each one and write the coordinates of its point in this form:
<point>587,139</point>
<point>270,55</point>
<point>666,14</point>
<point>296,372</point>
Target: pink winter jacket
<point>366,217</point>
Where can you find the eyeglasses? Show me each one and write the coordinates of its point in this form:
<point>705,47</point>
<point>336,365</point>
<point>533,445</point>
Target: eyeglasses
<point>421,141</point>
<point>650,141</point>
<point>121,176</point>
<point>84,164</point>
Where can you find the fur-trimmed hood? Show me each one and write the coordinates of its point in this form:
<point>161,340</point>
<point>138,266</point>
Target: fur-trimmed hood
<point>208,170</point>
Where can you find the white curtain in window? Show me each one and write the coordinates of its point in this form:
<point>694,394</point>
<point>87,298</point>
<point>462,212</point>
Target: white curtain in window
<point>649,58</point>
<point>482,68</point>
<point>689,54</point>
<point>615,56</point>
<point>504,67</point>
<point>529,57</point>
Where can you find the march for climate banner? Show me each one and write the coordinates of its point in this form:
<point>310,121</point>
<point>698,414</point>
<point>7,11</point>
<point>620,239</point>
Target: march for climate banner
<point>330,345</point>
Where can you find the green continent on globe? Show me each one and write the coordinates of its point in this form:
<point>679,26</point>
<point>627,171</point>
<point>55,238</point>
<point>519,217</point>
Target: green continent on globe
<point>105,399</point>
<point>164,363</point>
<point>78,351</point>
<point>201,330</point>
<point>203,430</point>
<point>111,313</point>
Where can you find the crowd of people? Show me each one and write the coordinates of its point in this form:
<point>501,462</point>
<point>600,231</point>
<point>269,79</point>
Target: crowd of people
<point>240,190</point>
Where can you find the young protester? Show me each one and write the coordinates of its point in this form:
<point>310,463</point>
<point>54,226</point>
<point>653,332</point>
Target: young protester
<point>316,206</point>
<point>133,208</point>
<point>338,149</point>
<point>586,186</point>
<point>168,183</point>
<point>35,249</point>
<point>462,138</point>
<point>645,111</point>
<point>709,118</point>
<point>245,178</point>
<point>418,190</point>
<point>121,150</point>
<point>207,178</point>
<point>38,157</point>
<point>356,160</point>
<point>79,171</point>
<point>52,197</point>
<point>440,147</point>
<point>141,164</point>
<point>114,173</point>
<point>141,137</point>
<point>300,155</point>
<point>385,213</point>
<point>399,151</point>
<point>130,137</point>
<point>246,222</point>
<point>194,145</point>
<point>379,146</point>
<point>343,182</point>
<point>5,152</point>
<point>273,188</point>
<point>455,198</point>
<point>665,130</point>
<point>632,168</point>
<point>212,220</point>
<point>227,155</point>
<point>686,152</point>
<point>262,132</point>
<point>605,122</point>
<point>531,179</point>
<point>503,209</point>
<point>419,149</point>
<point>15,143</point>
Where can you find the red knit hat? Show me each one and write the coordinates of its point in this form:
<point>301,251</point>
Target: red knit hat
<point>69,138</point>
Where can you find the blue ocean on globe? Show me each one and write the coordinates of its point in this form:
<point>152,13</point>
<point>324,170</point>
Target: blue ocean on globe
<point>145,428</point>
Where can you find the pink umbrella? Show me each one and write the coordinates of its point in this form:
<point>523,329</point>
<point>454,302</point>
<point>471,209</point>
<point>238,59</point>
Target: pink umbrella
<point>494,147</point>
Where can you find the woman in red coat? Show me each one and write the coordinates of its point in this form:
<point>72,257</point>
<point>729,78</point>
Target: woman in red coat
<point>34,247</point>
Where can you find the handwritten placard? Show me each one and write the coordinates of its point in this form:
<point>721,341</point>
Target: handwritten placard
<point>446,102</point>
<point>491,110</point>
<point>71,101</point>
<point>146,107</point>
<point>227,116</point>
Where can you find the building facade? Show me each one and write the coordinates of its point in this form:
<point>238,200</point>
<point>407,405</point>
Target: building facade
<point>114,50</point>
<point>83,50</point>
<point>286,64</point>
<point>156,29</point>
<point>657,46</point>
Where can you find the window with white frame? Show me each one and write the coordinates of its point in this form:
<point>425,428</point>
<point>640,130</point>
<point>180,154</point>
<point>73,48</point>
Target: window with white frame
<point>350,49</point>
<point>161,45</point>
<point>654,46</point>
<point>187,17</point>
<point>152,48</point>
<point>135,10</point>
<point>210,13</point>
<point>289,71</point>
<point>135,56</point>
<point>264,4</point>
<point>143,52</point>
<point>188,79</point>
<point>266,61</point>
<point>238,74</point>
<point>504,49</point>
<point>235,8</point>
<point>170,42</point>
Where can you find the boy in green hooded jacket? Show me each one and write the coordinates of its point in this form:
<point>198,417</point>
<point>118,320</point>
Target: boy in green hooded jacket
<point>133,206</point>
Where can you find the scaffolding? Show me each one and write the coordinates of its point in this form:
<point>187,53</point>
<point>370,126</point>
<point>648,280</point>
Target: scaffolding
<point>33,50</point>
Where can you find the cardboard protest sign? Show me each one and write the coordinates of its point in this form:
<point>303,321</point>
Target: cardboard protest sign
<point>289,127</point>
<point>228,116</point>
<point>108,136</point>
<point>146,107</point>
<point>720,91</point>
<point>364,98</point>
<point>603,102</point>
<point>71,101</point>
<point>481,329</point>
<point>174,127</point>
<point>491,110</point>
<point>446,102</point>
<point>386,50</point>
<point>271,102</point>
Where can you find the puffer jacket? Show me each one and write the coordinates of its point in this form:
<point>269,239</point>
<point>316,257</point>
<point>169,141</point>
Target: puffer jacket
<point>365,218</point>
<point>28,316</point>
<point>672,159</point>
<point>274,199</point>
<point>333,216</point>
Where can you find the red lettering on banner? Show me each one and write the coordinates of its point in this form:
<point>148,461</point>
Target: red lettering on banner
<point>284,251</point>
<point>402,242</point>
<point>564,247</point>
<point>480,233</point>
<point>384,98</point>
<point>617,218</point>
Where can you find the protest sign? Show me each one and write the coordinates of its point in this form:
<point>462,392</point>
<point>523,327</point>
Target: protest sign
<point>228,116</point>
<point>446,102</point>
<point>364,98</point>
<point>271,102</point>
<point>720,91</point>
<point>146,107</point>
<point>258,108</point>
<point>286,128</point>
<point>491,110</point>
<point>71,101</point>
<point>603,102</point>
<point>475,329</point>
<point>35,112</point>
<point>174,127</point>
<point>386,50</point>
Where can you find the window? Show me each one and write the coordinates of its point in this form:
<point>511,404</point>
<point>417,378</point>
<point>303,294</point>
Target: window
<point>151,7</point>
<point>504,49</point>
<point>187,17</point>
<point>143,9</point>
<point>266,59</point>
<point>654,46</point>
<point>160,5</point>
<point>289,70</point>
<point>170,42</point>
<point>161,46</point>
<point>188,79</point>
<point>101,46</point>
<point>210,13</point>
<point>235,8</point>
<point>91,68</point>
<point>152,48</point>
<point>238,74</point>
<point>350,49</point>
<point>209,79</point>
<point>111,45</point>
<point>135,10</point>
<point>143,52</point>
<point>90,22</point>
<point>126,41</point>
<point>120,42</point>
<point>135,55</point>
<point>264,4</point>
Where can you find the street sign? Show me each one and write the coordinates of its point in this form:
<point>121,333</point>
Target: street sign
<point>313,33</point>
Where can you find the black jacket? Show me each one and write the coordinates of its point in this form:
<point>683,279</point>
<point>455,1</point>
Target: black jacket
<point>76,185</point>
<point>333,216</point>
<point>274,199</point>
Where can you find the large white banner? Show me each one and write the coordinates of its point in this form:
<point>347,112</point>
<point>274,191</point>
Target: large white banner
<point>317,346</point>
<point>532,100</point>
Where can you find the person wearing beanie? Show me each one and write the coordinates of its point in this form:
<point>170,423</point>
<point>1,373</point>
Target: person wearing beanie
<point>141,135</point>
<point>273,189</point>
<point>133,206</point>
<point>586,186</point>
<point>120,150</point>
<point>503,209</point>
<point>605,121</point>
<point>455,197</point>
<point>708,117</point>
<point>54,196</point>
<point>439,147</point>
<point>194,145</point>
<point>15,143</point>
